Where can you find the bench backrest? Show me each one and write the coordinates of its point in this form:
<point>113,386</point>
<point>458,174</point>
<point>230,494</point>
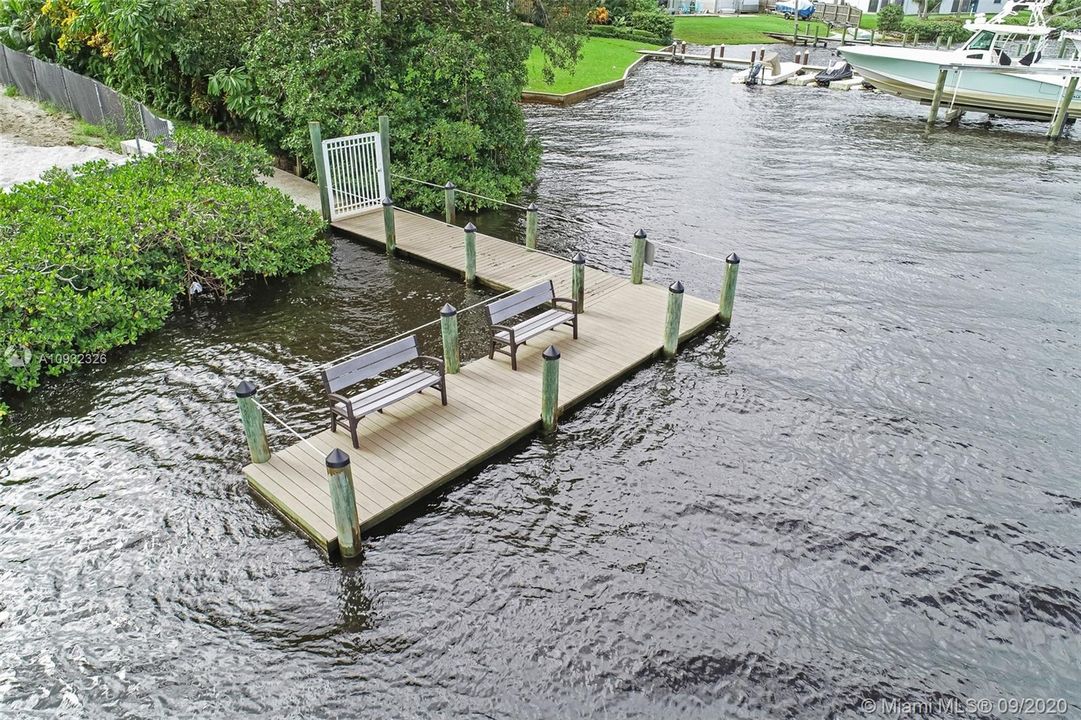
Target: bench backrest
<point>370,364</point>
<point>539,294</point>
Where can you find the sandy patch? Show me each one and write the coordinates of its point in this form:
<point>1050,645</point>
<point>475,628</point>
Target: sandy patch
<point>25,120</point>
<point>33,141</point>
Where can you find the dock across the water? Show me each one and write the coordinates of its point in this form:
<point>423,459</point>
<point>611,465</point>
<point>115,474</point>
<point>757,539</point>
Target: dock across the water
<point>417,445</point>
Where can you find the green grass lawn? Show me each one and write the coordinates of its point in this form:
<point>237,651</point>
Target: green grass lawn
<point>737,30</point>
<point>747,29</point>
<point>601,60</point>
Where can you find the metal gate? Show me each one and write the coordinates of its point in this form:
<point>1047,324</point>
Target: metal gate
<point>354,168</point>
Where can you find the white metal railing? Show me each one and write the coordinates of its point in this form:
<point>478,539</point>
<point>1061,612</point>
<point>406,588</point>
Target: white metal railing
<point>354,168</point>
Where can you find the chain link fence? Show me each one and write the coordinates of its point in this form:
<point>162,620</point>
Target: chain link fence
<point>82,96</point>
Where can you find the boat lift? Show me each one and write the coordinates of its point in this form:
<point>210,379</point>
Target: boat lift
<point>1071,74</point>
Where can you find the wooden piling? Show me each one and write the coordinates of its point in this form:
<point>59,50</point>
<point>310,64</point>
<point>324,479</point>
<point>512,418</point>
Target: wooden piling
<point>671,320</point>
<point>531,227</point>
<point>753,52</point>
<point>578,281</point>
<point>712,54</point>
<point>388,226</point>
<point>638,257</point>
<point>343,501</point>
<point>1063,110</point>
<point>550,389</point>
<point>315,130</point>
<point>384,147</point>
<point>872,37</point>
<point>936,99</point>
<point>448,325</point>
<point>728,292</point>
<point>816,36</point>
<point>251,416</point>
<point>720,53</point>
<point>938,42</point>
<point>449,203</point>
<point>470,253</point>
<point>844,34</point>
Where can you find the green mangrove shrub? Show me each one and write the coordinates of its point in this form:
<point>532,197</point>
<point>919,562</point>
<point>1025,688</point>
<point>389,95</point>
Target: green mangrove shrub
<point>926,30</point>
<point>625,33</point>
<point>654,22</point>
<point>94,259</point>
<point>890,18</point>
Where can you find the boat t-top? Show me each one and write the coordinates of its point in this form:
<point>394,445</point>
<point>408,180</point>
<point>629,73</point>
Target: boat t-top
<point>1005,69</point>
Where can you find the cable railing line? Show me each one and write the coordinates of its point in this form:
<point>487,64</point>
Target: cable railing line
<point>540,211</point>
<point>536,250</point>
<point>384,341</point>
<point>288,427</point>
<point>587,223</point>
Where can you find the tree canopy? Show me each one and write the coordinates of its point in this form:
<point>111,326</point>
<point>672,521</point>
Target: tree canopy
<point>449,73</point>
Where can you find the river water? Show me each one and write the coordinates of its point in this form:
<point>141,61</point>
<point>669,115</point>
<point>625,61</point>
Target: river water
<point>868,491</point>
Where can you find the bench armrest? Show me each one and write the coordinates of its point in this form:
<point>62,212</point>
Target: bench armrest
<point>429,360</point>
<point>336,398</point>
<point>505,328</point>
<point>569,301</point>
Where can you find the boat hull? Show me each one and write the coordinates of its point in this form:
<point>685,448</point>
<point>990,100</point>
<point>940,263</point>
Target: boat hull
<point>998,92</point>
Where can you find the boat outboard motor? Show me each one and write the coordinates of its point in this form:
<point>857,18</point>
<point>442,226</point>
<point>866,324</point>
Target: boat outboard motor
<point>754,74</point>
<point>839,70</point>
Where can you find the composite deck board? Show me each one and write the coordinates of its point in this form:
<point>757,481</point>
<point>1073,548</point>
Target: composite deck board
<point>416,445</point>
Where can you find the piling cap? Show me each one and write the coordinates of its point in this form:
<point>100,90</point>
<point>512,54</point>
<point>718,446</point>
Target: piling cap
<point>552,353</point>
<point>676,287</point>
<point>245,389</point>
<point>470,227</point>
<point>578,259</point>
<point>448,310</point>
<point>732,258</point>
<point>640,234</point>
<point>449,185</point>
<point>532,207</point>
<point>337,459</point>
<point>387,201</point>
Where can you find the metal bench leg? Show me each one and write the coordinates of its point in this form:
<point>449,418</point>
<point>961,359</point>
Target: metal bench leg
<point>356,440</point>
<point>443,391</point>
<point>574,327</point>
<point>491,351</point>
<point>513,357</point>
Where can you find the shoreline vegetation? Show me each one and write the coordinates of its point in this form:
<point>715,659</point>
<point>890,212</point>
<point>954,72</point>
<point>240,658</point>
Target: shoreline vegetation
<point>97,257</point>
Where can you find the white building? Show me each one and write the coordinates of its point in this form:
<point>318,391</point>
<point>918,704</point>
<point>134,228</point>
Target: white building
<point>713,7</point>
<point>946,6</point>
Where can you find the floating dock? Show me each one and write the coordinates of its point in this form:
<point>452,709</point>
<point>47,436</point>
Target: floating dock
<point>418,445</point>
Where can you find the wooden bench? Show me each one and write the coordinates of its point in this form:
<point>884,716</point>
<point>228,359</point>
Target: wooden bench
<point>350,410</point>
<point>514,305</point>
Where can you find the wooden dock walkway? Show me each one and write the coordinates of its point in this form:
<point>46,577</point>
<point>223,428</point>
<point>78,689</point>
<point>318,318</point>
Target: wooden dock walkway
<point>417,445</point>
<point>717,61</point>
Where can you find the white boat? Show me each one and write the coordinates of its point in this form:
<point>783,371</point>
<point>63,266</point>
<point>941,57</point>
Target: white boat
<point>1003,69</point>
<point>770,71</point>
